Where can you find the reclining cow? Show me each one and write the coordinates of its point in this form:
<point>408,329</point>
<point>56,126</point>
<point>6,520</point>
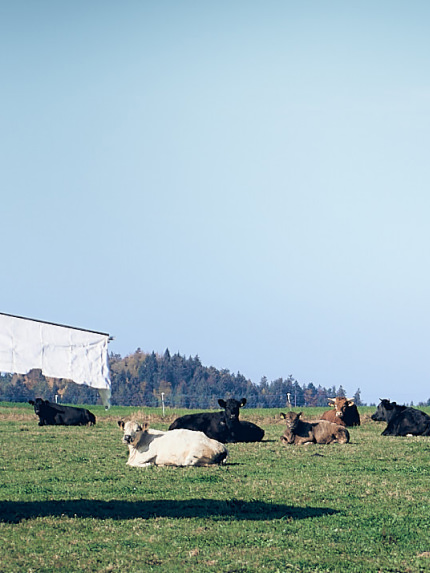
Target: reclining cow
<point>344,413</point>
<point>223,426</point>
<point>299,432</point>
<point>401,420</point>
<point>174,448</point>
<point>51,414</point>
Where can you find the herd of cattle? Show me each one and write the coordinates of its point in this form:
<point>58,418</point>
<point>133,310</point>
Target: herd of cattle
<point>199,439</point>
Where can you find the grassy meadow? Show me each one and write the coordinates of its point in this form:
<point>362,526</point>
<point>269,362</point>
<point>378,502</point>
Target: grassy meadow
<point>68,502</point>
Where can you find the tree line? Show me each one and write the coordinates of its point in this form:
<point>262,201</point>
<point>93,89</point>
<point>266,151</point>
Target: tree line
<point>151,379</point>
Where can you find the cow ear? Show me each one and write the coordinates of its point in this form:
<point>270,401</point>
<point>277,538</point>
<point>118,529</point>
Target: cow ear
<point>299,414</point>
<point>31,402</point>
<point>242,402</point>
<point>145,427</point>
<point>121,424</point>
<point>222,403</point>
<point>283,416</point>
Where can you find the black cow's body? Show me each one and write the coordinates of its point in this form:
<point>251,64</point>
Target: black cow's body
<point>51,414</point>
<point>351,416</point>
<point>402,420</point>
<point>223,426</point>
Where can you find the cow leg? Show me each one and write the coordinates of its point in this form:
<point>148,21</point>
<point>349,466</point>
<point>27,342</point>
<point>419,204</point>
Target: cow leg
<point>390,430</point>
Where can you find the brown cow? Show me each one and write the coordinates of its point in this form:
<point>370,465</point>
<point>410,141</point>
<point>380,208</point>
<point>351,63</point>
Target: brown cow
<point>345,412</point>
<point>299,432</point>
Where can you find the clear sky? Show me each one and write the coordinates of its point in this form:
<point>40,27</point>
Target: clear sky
<point>246,181</point>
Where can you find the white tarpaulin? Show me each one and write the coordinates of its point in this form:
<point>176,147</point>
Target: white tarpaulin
<point>59,351</point>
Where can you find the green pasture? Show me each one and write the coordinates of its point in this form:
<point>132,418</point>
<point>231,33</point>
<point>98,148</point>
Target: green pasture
<point>68,502</point>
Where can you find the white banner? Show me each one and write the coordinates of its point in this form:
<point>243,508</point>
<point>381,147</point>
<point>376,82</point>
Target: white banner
<point>59,351</point>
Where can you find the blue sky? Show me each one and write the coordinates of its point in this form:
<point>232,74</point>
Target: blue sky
<point>244,181</point>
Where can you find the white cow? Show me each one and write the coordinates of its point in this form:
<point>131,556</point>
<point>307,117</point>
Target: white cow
<point>173,448</point>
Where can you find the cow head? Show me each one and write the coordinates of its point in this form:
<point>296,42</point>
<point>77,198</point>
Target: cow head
<point>341,404</point>
<point>231,410</point>
<point>384,411</point>
<point>292,420</point>
<point>38,405</point>
<point>132,431</point>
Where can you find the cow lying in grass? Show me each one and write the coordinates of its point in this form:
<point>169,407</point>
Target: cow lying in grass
<point>52,414</point>
<point>344,412</point>
<point>223,426</point>
<point>402,420</point>
<point>174,448</point>
<point>299,432</point>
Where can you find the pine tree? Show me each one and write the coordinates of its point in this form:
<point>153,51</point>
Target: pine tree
<point>341,392</point>
<point>357,398</point>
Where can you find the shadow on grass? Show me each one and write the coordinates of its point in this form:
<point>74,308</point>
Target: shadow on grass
<point>232,509</point>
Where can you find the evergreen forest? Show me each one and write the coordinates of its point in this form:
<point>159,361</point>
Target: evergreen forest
<point>151,379</point>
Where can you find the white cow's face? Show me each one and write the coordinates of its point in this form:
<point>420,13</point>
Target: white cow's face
<point>130,429</point>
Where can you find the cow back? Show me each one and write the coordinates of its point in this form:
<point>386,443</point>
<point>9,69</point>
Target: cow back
<point>210,423</point>
<point>247,432</point>
<point>326,432</point>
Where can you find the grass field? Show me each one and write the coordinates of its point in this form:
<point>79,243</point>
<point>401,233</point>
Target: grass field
<point>68,502</point>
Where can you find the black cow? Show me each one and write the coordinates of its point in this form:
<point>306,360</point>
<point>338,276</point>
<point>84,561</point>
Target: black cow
<point>223,426</point>
<point>401,420</point>
<point>51,414</point>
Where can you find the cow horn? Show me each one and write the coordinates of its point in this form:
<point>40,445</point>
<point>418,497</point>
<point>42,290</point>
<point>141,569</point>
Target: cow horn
<point>332,399</point>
